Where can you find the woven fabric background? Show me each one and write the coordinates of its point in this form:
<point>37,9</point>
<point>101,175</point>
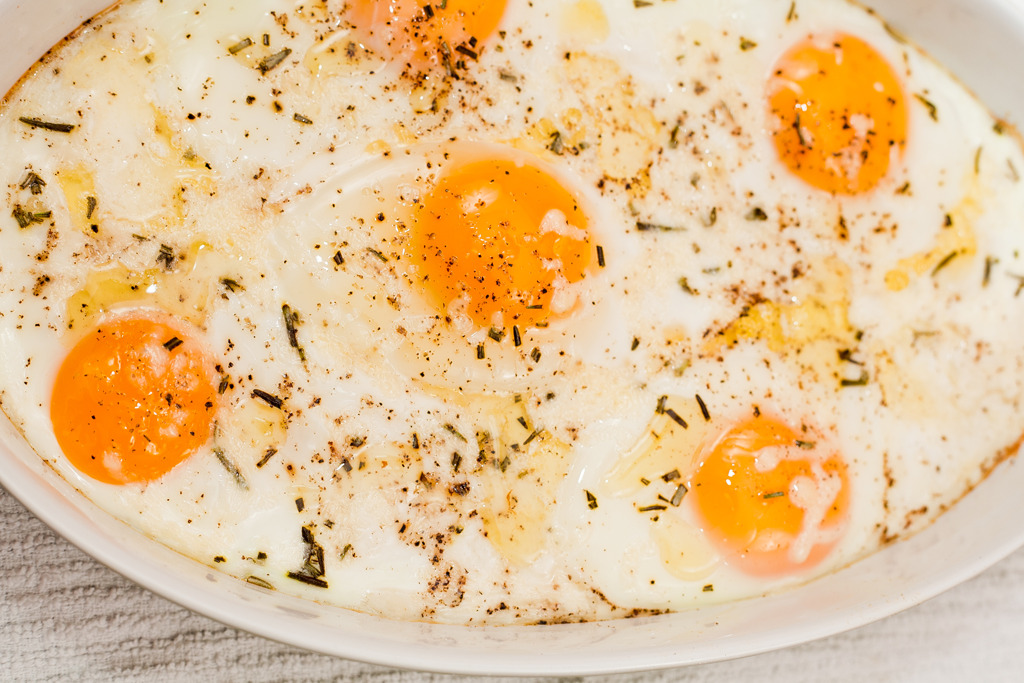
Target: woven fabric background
<point>65,617</point>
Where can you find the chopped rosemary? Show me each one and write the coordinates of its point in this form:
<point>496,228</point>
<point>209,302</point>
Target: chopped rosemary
<point>225,383</point>
<point>165,256</point>
<point>231,468</point>
<point>792,12</point>
<point>463,50</point>
<point>677,418</point>
<point>271,452</point>
<point>33,183</point>
<point>231,284</point>
<point>507,76</point>
<point>757,214</point>
<point>747,44</point>
<point>859,382</point>
<point>26,218</point>
<point>46,125</point>
<point>338,258</point>
<point>944,262</point>
<point>268,398</point>
<point>703,408</point>
<point>302,119</point>
<point>270,62</point>
<point>345,551</point>
<point>535,355</point>
<point>496,334</point>
<point>670,476</point>
<point>591,500</point>
<point>773,494</point>
<point>660,409</point>
<point>652,508</point>
<point>533,435</point>
<point>556,145</point>
<point>172,343</point>
<point>300,504</point>
<point>643,226</point>
<point>806,445</point>
<point>456,461</point>
<point>642,3</point>
<point>933,111</point>
<point>518,340</point>
<point>450,428</point>
<point>709,588</point>
<point>310,580</point>
<point>90,206</point>
<point>378,254</point>
<point>635,345</point>
<point>677,497</point>
<point>481,353</point>
<point>460,489</point>
<point>291,322</point>
<point>257,581</point>
<point>600,256</point>
<point>240,45</point>
<point>990,262</point>
<point>415,441</point>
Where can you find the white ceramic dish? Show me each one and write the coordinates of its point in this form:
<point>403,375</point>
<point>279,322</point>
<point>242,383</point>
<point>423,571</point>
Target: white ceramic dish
<point>978,40</point>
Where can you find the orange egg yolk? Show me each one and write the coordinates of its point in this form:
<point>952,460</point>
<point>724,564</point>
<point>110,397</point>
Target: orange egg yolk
<point>132,400</point>
<point>424,33</point>
<point>840,113</point>
<point>768,500</point>
<point>501,241</point>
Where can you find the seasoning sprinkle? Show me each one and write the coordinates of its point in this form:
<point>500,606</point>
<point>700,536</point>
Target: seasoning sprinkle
<point>591,500</point>
<point>268,398</point>
<point>47,125</point>
<point>757,214</point>
<point>635,345</point>
<point>747,44</point>
<point>709,588</point>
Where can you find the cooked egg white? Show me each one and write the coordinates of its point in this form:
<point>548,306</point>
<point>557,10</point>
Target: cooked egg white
<point>554,312</point>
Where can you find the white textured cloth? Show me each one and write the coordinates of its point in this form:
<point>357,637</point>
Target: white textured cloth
<point>64,616</point>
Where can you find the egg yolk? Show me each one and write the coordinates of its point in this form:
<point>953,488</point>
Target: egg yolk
<point>768,500</point>
<point>840,113</point>
<point>425,33</point>
<point>132,400</point>
<point>501,242</point>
